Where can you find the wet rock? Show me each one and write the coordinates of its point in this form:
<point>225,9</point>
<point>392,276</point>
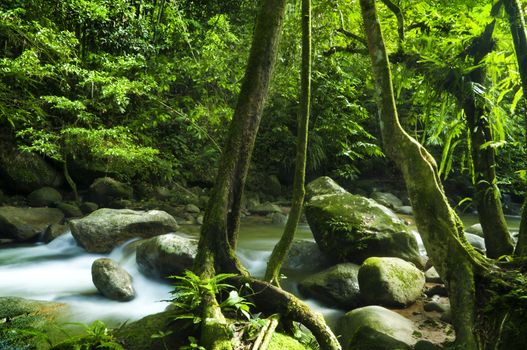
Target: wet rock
<point>192,208</point>
<point>306,256</point>
<point>44,197</point>
<point>387,199</point>
<point>105,191</point>
<point>53,231</point>
<point>477,242</point>
<point>88,207</point>
<point>26,223</point>
<point>166,255</point>
<point>405,209</point>
<point>112,280</point>
<point>351,228</point>
<point>104,229</point>
<point>323,185</point>
<point>336,286</point>
<point>374,327</point>
<point>278,219</point>
<point>390,282</point>
<point>436,306</point>
<point>438,289</point>
<point>265,208</point>
<point>432,276</point>
<point>475,229</point>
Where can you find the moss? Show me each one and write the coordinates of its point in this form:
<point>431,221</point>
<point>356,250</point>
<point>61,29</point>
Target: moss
<point>283,342</point>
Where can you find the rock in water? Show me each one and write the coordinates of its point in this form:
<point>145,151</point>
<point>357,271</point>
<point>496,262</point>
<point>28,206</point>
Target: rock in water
<point>336,286</point>
<point>104,229</point>
<point>352,228</point>
<point>387,199</point>
<point>390,282</point>
<point>44,197</point>
<point>112,280</point>
<point>105,190</point>
<point>166,255</point>
<point>374,327</point>
<point>26,223</point>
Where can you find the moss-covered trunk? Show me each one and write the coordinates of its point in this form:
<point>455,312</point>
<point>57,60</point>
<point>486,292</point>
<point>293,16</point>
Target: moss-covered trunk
<point>282,247</point>
<point>519,38</point>
<point>440,228</point>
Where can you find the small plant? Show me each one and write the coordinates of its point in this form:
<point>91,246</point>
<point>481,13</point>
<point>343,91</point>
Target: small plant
<point>193,345</point>
<point>97,336</point>
<point>162,335</point>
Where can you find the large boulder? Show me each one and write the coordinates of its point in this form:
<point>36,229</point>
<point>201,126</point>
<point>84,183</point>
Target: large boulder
<point>306,256</point>
<point>352,228</point>
<point>323,185</point>
<point>26,223</point>
<point>336,286</point>
<point>25,172</point>
<point>374,327</point>
<point>166,255</point>
<point>106,228</point>
<point>111,280</point>
<point>105,191</point>
<point>390,282</point>
<point>44,197</point>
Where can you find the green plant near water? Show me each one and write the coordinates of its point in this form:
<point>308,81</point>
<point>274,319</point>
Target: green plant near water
<point>96,336</point>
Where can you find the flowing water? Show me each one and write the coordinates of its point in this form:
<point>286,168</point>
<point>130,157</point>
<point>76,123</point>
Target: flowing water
<point>61,271</point>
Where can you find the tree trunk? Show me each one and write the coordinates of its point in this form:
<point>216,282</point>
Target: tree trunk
<point>282,248</point>
<point>519,38</point>
<point>441,230</point>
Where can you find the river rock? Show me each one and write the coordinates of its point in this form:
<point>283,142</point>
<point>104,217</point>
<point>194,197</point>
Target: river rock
<point>112,280</point>
<point>265,208</point>
<point>278,219</point>
<point>305,255</point>
<point>105,191</point>
<point>26,223</point>
<point>352,228</point>
<point>432,276</point>
<point>475,229</point>
<point>192,208</point>
<point>387,199</point>
<point>53,231</point>
<point>323,185</point>
<point>390,282</point>
<point>336,286</point>
<point>88,207</point>
<point>405,209</point>
<point>106,228</point>
<point>70,210</point>
<point>477,242</point>
<point>166,255</point>
<point>44,197</point>
<point>374,327</point>
<point>25,172</point>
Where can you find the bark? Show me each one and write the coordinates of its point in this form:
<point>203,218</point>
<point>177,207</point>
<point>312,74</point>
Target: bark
<point>440,228</point>
<point>519,38</point>
<point>487,196</point>
<point>282,248</point>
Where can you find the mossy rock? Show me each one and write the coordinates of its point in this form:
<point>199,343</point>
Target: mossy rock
<point>105,191</point>
<point>281,341</point>
<point>390,282</point>
<point>27,322</point>
<point>321,186</point>
<point>352,228</point>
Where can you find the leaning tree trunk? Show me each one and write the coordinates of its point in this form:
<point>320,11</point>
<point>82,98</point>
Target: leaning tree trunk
<point>519,38</point>
<point>219,232</point>
<point>282,247</point>
<point>487,195</point>
<point>441,229</point>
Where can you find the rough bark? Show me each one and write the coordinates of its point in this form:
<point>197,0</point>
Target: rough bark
<point>441,229</point>
<point>519,38</point>
<point>282,247</point>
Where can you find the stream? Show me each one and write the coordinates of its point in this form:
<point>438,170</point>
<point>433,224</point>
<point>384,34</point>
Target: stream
<point>61,271</point>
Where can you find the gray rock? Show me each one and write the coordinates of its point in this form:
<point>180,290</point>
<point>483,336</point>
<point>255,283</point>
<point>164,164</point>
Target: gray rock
<point>106,228</point>
<point>436,306</point>
<point>387,199</point>
<point>70,210</point>
<point>105,191</point>
<point>192,208</point>
<point>306,256</point>
<point>25,172</point>
<point>44,197</point>
<point>266,208</point>
<point>112,280</point>
<point>322,185</point>
<point>26,223</point>
<point>351,228</point>
<point>199,220</point>
<point>278,219</point>
<point>475,229</point>
<point>405,209</point>
<point>336,286</point>
<point>437,290</point>
<point>390,282</point>
<point>374,327</point>
<point>166,255</point>
<point>432,276</point>
<point>53,231</point>
<point>477,242</point>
